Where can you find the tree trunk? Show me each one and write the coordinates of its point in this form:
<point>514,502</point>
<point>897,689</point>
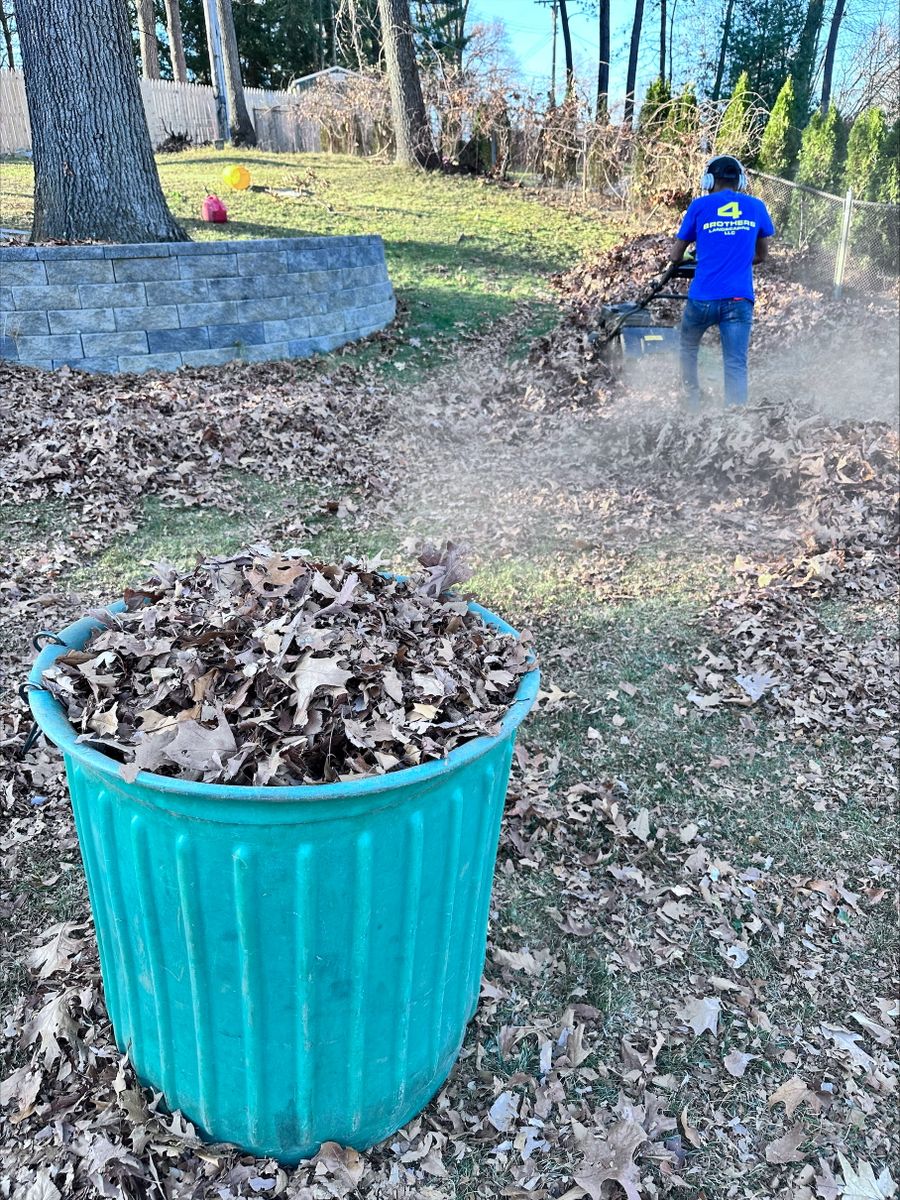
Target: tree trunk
<point>95,177</point>
<point>412,133</point>
<point>7,36</point>
<point>804,62</point>
<point>631,77</point>
<point>567,47</point>
<point>672,40</point>
<point>176,41</point>
<point>723,50</point>
<point>603,67</point>
<point>146,23</point>
<point>662,40</point>
<point>241,131</point>
<point>459,31</point>
<point>828,69</point>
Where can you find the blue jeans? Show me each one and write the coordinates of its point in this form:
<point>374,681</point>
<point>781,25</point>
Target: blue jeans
<point>734,319</point>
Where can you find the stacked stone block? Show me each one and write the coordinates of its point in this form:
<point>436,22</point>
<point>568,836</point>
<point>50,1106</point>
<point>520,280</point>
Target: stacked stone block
<point>166,305</point>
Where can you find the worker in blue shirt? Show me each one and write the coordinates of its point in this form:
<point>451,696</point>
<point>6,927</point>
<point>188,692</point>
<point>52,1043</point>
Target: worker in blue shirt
<point>731,231</point>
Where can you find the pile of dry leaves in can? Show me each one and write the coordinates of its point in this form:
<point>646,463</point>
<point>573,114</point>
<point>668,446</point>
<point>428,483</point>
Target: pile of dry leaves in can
<point>271,668</point>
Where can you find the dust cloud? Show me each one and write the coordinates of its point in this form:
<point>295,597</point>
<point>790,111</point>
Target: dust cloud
<point>498,453</point>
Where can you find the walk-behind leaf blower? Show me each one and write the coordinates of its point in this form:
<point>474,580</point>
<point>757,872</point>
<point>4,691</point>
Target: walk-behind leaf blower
<point>630,329</point>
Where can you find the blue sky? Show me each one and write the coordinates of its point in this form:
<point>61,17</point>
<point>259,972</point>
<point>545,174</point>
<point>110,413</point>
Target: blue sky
<point>529,28</point>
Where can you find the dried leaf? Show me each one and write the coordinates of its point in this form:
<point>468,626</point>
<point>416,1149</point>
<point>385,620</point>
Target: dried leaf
<point>531,962</point>
<point>41,1187</point>
<point>736,1063</point>
<point>640,826</point>
<point>792,1093</point>
<point>844,1039</point>
<point>21,1087</point>
<point>861,1184</point>
<point>503,1112</point>
<point>51,1024</point>
<point>610,1158</point>
<point>784,1149</point>
<point>701,1014</point>
<point>756,685</point>
<point>57,953</point>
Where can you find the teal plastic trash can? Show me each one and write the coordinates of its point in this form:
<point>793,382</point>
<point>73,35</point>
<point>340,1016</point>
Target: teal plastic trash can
<point>290,965</point>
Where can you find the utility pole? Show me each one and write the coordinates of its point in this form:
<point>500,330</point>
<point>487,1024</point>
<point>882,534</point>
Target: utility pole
<point>216,68</point>
<point>555,17</point>
<point>553,5</point>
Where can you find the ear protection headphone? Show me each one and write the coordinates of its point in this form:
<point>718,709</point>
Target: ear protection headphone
<point>708,180</point>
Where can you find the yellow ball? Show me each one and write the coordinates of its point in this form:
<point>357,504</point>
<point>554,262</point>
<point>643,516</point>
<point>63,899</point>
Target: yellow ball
<point>236,177</point>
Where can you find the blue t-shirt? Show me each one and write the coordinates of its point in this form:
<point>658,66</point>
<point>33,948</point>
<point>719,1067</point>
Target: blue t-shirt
<point>725,226</point>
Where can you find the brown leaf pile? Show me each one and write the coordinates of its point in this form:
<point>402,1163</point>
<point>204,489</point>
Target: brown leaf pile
<point>102,443</point>
<point>772,646</point>
<point>271,668</point>
<point>844,476</point>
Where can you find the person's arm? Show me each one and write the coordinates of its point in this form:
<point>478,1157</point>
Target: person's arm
<point>685,236</point>
<point>679,245</point>
<point>762,249</point>
<point>766,232</point>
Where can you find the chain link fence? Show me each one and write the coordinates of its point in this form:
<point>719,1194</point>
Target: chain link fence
<point>845,244</point>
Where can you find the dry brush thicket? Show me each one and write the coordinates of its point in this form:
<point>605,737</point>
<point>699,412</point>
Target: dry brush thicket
<point>484,124</point>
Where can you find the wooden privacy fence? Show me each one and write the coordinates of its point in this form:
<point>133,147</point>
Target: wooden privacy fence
<point>15,128</point>
<point>170,107</point>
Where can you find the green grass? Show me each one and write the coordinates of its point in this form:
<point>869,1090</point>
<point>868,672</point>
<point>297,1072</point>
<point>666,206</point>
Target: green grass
<point>659,742</point>
<point>461,252</point>
<point>183,536</point>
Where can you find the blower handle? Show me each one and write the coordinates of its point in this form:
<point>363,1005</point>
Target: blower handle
<point>654,289</point>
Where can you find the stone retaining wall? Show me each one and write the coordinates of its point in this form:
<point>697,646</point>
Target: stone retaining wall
<point>165,305</point>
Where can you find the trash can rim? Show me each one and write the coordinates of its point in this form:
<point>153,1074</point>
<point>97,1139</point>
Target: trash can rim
<point>52,721</point>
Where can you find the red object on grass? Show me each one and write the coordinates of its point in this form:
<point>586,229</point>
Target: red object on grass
<point>212,209</point>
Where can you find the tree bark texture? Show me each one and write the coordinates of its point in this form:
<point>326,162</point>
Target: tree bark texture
<point>414,145</point>
<point>633,51</point>
<point>567,47</point>
<point>603,67</point>
<point>176,41</point>
<point>723,50</point>
<point>95,176</point>
<point>241,129</point>
<point>146,23</point>
<point>830,49</point>
<point>663,30</point>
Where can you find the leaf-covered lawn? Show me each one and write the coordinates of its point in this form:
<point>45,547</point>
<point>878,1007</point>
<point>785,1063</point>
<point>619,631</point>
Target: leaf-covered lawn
<point>689,986</point>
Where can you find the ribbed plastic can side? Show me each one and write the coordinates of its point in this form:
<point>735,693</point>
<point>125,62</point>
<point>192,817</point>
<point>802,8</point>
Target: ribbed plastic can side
<point>292,972</point>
